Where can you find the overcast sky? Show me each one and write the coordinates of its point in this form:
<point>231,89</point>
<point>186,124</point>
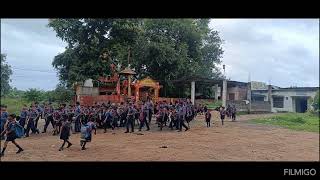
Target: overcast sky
<point>284,52</point>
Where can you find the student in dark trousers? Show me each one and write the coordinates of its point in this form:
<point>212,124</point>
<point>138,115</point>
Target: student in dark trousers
<point>4,117</point>
<point>182,115</point>
<point>48,116</point>
<point>10,134</point>
<point>77,113</point>
<point>107,119</point>
<point>31,121</point>
<point>65,134</point>
<point>222,114</point>
<point>40,114</point>
<point>150,107</point>
<point>143,117</point>
<point>23,116</point>
<point>208,118</point>
<point>115,117</point>
<point>233,113</point>
<point>130,118</point>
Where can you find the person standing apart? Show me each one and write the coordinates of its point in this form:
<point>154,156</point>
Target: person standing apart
<point>222,114</point>
<point>233,113</point>
<point>208,118</point>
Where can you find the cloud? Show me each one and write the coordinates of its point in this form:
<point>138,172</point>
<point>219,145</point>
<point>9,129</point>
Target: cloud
<point>30,45</point>
<point>283,51</point>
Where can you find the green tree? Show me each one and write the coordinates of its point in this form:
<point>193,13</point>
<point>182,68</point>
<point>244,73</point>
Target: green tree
<point>6,72</point>
<point>34,95</point>
<point>164,49</point>
<point>15,93</point>
<point>61,94</point>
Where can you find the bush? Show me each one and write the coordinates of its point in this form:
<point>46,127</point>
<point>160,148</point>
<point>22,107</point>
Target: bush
<point>33,95</point>
<point>315,103</point>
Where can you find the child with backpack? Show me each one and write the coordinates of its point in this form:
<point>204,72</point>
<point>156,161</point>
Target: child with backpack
<point>86,133</point>
<point>208,117</point>
<point>10,131</point>
<point>65,134</point>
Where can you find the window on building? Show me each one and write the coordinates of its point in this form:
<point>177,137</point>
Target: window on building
<point>278,102</point>
<point>257,98</point>
<point>231,96</point>
<point>286,98</point>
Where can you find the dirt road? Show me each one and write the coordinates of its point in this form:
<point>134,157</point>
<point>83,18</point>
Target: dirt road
<point>235,141</point>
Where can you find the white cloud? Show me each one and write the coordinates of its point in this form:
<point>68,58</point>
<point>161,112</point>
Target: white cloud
<point>29,44</point>
<point>283,50</point>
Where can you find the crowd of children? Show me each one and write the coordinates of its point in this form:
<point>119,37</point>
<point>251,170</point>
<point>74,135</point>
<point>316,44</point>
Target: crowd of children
<point>84,119</point>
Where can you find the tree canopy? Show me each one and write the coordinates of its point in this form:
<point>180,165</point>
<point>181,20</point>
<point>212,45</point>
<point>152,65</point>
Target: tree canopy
<point>164,49</point>
<point>6,72</point>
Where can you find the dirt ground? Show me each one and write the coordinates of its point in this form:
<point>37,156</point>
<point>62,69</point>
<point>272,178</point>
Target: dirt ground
<point>235,141</point>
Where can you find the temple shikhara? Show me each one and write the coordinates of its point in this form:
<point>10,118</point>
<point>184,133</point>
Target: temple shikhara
<point>117,88</point>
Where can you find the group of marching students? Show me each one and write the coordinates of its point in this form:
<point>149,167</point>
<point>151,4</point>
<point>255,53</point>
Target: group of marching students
<point>86,119</point>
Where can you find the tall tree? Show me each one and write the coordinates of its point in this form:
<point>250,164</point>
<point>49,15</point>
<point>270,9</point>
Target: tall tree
<point>6,72</point>
<point>165,49</point>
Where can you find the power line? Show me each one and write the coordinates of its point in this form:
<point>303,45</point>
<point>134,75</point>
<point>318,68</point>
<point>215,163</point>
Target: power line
<point>23,69</point>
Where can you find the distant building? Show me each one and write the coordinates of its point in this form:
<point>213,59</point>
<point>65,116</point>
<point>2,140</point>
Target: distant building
<point>294,99</point>
<point>268,98</point>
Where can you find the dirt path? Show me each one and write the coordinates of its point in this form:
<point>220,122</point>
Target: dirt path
<point>235,141</point>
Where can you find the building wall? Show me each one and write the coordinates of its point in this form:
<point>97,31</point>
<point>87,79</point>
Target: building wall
<point>289,104</point>
<point>240,93</point>
<point>81,90</point>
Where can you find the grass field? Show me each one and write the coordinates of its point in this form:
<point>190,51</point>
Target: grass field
<point>14,105</point>
<point>296,121</point>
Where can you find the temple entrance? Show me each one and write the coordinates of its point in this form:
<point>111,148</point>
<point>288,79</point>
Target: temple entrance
<point>146,92</point>
<point>147,88</point>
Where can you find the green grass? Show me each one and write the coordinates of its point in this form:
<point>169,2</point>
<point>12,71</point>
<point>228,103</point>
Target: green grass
<point>213,105</point>
<point>296,121</point>
<point>242,112</point>
<point>14,105</point>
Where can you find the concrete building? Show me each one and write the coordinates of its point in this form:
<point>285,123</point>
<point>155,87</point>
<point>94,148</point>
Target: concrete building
<point>293,99</point>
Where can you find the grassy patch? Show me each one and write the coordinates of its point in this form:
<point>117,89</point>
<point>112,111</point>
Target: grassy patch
<point>14,105</point>
<point>213,105</point>
<point>296,121</point>
<point>242,112</point>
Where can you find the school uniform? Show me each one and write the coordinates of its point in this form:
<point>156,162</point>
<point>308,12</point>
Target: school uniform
<point>11,136</point>
<point>143,118</point>
<point>149,106</point>
<point>182,114</point>
<point>77,122</point>
<point>23,117</point>
<point>208,118</point>
<point>3,120</point>
<point>107,120</point>
<point>40,113</point>
<point>233,113</point>
<point>130,119</point>
<point>31,123</point>
<point>48,115</point>
<point>65,131</point>
<point>222,115</point>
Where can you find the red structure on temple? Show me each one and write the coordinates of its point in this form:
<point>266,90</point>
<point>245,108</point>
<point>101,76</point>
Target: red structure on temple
<point>112,89</point>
